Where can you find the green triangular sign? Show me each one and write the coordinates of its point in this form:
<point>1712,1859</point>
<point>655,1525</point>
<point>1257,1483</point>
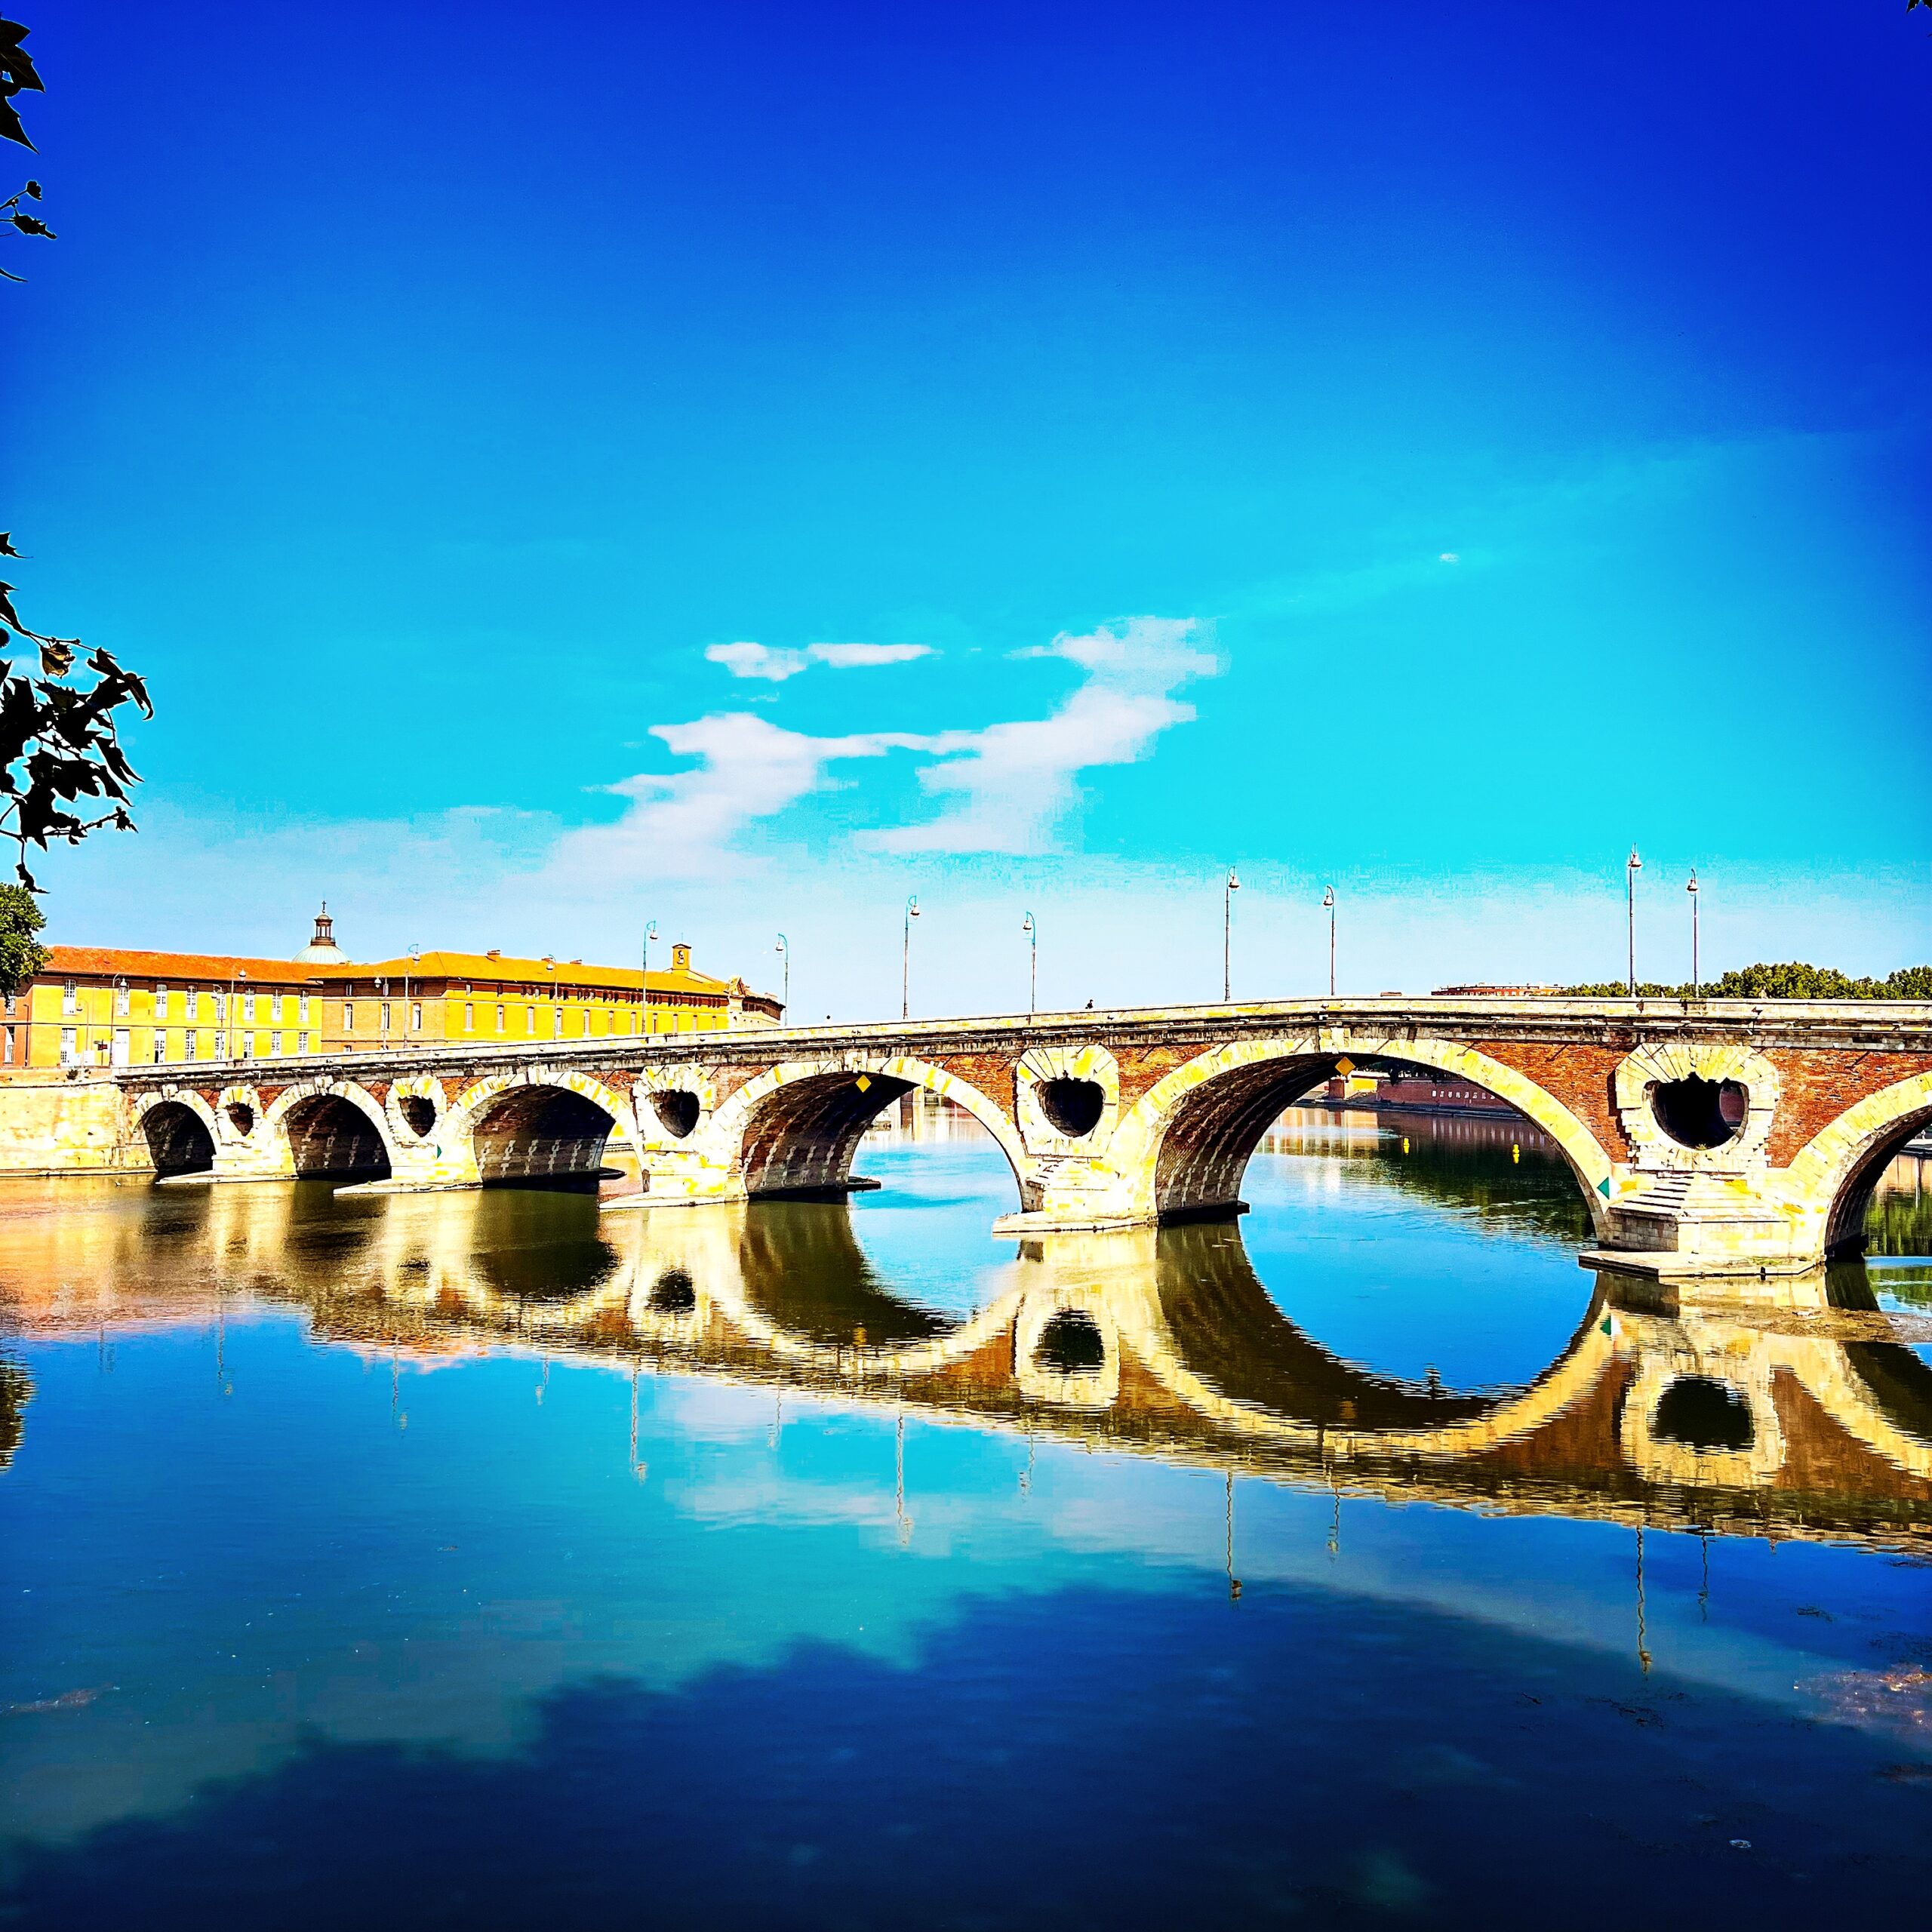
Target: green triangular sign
<point>1603,1187</point>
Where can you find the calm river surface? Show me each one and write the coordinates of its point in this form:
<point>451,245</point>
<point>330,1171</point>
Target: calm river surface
<point>468,1560</point>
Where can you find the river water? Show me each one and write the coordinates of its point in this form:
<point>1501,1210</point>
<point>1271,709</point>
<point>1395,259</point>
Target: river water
<point>470,1560</point>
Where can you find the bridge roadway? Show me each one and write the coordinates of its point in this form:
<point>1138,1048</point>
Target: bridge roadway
<point>1732,1137</point>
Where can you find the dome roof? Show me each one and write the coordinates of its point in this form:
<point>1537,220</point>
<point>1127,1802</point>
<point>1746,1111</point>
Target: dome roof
<point>322,949</point>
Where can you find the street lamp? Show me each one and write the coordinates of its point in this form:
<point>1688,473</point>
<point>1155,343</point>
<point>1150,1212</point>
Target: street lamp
<point>905,959</point>
<point>1031,928</point>
<point>1228,933</point>
<point>240,973</point>
<point>1328,906</point>
<point>784,945</point>
<point>1632,866</point>
<point>644,983</point>
<point>1696,983</point>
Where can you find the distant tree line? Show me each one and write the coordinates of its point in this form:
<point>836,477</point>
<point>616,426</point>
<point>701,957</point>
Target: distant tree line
<point>1793,980</point>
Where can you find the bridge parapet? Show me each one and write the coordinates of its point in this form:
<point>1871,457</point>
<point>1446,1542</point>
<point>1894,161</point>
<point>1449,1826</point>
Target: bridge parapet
<point>1714,1137</point>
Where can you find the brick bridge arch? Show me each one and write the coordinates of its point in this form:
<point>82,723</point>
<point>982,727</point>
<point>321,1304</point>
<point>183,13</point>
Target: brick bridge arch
<point>540,1122</point>
<point>1185,1143</point>
<point>794,1129</point>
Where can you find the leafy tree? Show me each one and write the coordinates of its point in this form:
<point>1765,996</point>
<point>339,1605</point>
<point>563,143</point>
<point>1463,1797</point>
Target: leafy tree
<point>1792,979</point>
<point>21,955</point>
<point>63,773</point>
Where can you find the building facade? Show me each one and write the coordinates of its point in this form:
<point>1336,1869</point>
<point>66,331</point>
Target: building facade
<point>121,1006</point>
<point>489,998</point>
<point>114,1006</point>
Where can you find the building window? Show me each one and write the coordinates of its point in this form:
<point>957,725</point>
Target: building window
<point>499,1019</point>
<point>161,1002</point>
<point>386,1015</point>
<point>69,1046</point>
<point>12,1005</point>
<point>302,1009</point>
<point>274,1043</point>
<point>306,1046</point>
<point>274,1009</point>
<point>10,1043</point>
<point>160,1045</point>
<point>190,1043</point>
<point>220,1045</point>
<point>416,1016</point>
<point>70,999</point>
<point>469,1020</point>
<point>244,1047</point>
<point>530,1019</point>
<point>347,1018</point>
<point>247,1009</point>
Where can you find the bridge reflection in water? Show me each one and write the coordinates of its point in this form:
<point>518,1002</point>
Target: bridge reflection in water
<point>1810,1416</point>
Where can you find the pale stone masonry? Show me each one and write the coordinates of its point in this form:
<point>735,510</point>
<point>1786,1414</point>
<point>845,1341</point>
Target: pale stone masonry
<point>1738,1137</point>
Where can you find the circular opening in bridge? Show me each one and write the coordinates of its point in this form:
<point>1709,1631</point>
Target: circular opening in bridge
<point>678,1111</point>
<point>1701,1413</point>
<point>1073,1106</point>
<point>1071,1344</point>
<point>419,1114</point>
<point>673,1293</point>
<point>1697,1113</point>
<point>241,1117</point>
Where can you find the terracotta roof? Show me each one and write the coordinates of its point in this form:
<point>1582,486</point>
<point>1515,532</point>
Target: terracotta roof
<point>481,969</point>
<point>132,963</point>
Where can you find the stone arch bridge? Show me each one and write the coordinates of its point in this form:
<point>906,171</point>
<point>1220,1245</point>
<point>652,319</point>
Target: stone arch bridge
<point>1716,1136</point>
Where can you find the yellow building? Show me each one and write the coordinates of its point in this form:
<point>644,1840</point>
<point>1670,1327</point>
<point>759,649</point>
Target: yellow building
<point>103,1006</point>
<point>490,999</point>
<point>119,1006</point>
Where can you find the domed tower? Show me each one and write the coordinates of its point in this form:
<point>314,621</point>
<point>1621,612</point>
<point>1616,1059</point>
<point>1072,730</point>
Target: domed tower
<point>322,949</point>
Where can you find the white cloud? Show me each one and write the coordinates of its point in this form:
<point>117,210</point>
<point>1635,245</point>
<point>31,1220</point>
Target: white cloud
<point>1009,785</point>
<point>1006,788</point>
<point>749,769</point>
<point>757,660</point>
<point>853,656</point>
<point>775,665</point>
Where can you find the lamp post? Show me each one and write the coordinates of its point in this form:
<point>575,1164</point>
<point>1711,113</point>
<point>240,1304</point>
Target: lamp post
<point>1228,934</point>
<point>1697,982</point>
<point>643,979</point>
<point>115,988</point>
<point>1328,905</point>
<point>1632,866</point>
<point>1030,926</point>
<point>240,973</point>
<point>905,959</point>
<point>784,945</point>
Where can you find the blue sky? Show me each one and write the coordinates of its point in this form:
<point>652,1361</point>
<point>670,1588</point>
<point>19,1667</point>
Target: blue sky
<point>1425,449</point>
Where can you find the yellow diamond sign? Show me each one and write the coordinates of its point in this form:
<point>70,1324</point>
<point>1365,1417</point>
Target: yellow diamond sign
<point>865,1080</point>
<point>1344,1065</point>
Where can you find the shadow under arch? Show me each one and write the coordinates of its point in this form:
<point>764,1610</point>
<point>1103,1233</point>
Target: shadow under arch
<point>179,1140</point>
<point>330,1137</point>
<point>1845,1220</point>
<point>538,1135</point>
<point>802,1125</point>
<point>1206,1120</point>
